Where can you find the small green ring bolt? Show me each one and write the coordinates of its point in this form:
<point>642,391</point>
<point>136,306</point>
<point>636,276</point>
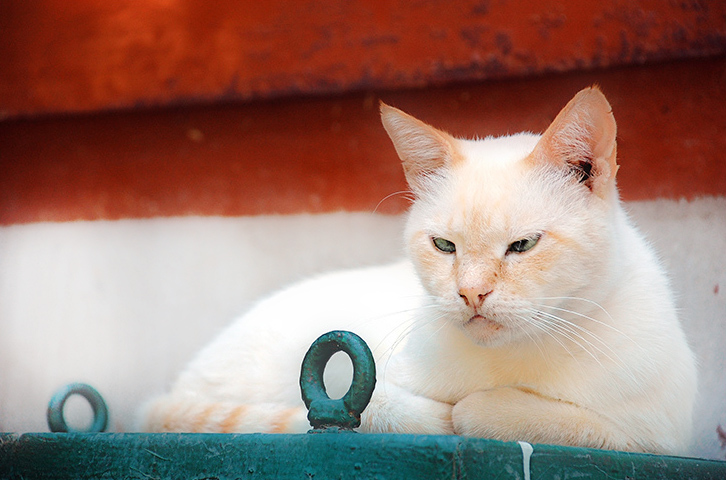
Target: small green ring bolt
<point>56,419</point>
<point>343,413</point>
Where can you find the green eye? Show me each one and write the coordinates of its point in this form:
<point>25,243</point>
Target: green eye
<point>444,245</point>
<point>523,245</point>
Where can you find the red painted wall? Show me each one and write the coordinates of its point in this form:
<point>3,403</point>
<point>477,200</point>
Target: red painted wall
<point>84,55</point>
<point>328,154</point>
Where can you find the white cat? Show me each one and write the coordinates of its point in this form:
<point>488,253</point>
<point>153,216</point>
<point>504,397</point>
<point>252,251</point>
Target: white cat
<point>529,309</point>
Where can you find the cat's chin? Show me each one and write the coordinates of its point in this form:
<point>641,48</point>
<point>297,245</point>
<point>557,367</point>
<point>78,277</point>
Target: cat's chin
<point>484,331</point>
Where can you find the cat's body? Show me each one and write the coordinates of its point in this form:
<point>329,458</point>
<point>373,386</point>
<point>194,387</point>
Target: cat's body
<point>530,308</point>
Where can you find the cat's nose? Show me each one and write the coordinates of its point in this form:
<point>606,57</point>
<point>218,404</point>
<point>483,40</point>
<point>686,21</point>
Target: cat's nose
<point>474,297</point>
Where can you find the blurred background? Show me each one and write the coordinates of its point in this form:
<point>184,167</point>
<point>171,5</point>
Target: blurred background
<point>164,163</point>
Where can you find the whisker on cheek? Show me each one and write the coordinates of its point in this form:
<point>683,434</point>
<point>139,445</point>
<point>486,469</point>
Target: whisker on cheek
<point>550,330</point>
<point>586,340</point>
<point>534,339</point>
<point>591,318</point>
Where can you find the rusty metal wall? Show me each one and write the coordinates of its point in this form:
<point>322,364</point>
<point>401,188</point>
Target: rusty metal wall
<point>331,154</point>
<point>86,55</point>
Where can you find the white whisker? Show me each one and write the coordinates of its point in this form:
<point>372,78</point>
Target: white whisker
<point>588,317</point>
<point>570,331</point>
<point>579,299</point>
<point>408,194</point>
<point>594,320</point>
<point>551,329</point>
<point>534,339</point>
<point>577,334</point>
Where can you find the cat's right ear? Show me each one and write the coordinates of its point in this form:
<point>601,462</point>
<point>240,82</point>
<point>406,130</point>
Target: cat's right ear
<point>424,150</point>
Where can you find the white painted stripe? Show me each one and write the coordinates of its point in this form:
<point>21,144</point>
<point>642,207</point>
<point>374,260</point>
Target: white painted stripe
<point>527,451</point>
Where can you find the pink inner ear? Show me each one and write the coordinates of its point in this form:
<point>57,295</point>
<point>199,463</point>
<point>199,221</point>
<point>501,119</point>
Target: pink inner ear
<point>422,148</point>
<point>582,137</point>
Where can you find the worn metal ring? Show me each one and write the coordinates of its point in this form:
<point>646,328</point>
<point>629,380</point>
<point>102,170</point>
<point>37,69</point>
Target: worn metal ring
<point>344,412</point>
<point>56,418</point>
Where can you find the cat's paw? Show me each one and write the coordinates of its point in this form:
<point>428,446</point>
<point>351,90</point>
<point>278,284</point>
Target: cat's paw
<point>505,413</point>
<point>512,414</point>
<point>479,414</point>
<point>435,419</point>
<point>395,410</point>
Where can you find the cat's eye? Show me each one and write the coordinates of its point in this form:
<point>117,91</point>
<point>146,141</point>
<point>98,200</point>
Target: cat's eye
<point>444,245</point>
<point>521,246</point>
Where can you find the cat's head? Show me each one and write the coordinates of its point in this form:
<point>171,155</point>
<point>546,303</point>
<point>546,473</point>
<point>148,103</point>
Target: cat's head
<point>502,227</point>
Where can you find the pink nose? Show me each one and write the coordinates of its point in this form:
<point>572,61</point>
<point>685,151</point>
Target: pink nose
<point>474,297</point>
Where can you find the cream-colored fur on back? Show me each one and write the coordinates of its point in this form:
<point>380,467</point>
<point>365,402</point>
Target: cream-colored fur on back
<point>529,308</point>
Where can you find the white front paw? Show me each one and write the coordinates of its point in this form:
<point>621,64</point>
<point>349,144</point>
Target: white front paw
<point>471,417</point>
<point>434,419</point>
<point>396,410</point>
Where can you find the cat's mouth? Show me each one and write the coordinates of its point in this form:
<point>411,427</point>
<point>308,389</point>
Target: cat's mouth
<point>481,321</point>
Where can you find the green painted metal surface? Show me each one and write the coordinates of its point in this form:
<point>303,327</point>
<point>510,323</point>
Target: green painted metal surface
<point>337,453</point>
<point>324,456</point>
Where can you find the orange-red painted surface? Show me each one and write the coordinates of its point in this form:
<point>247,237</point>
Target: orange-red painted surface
<point>86,55</point>
<point>320,155</point>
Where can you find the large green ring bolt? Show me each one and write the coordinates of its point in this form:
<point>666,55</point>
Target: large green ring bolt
<point>343,413</point>
<point>56,419</point>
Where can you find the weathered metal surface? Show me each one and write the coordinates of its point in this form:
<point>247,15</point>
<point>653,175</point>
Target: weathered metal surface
<point>324,155</point>
<point>60,56</point>
<point>343,413</point>
<point>56,417</point>
<point>343,456</point>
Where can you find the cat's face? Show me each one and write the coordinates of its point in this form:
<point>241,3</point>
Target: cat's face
<point>503,229</point>
<point>495,244</point>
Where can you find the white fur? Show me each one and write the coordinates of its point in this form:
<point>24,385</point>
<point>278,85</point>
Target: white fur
<point>622,363</point>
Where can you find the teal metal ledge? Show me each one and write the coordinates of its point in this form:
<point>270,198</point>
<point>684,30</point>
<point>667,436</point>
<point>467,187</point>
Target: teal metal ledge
<point>323,456</point>
<point>330,451</point>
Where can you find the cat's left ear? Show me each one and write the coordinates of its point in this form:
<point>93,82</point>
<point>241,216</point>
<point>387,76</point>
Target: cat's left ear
<point>582,138</point>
